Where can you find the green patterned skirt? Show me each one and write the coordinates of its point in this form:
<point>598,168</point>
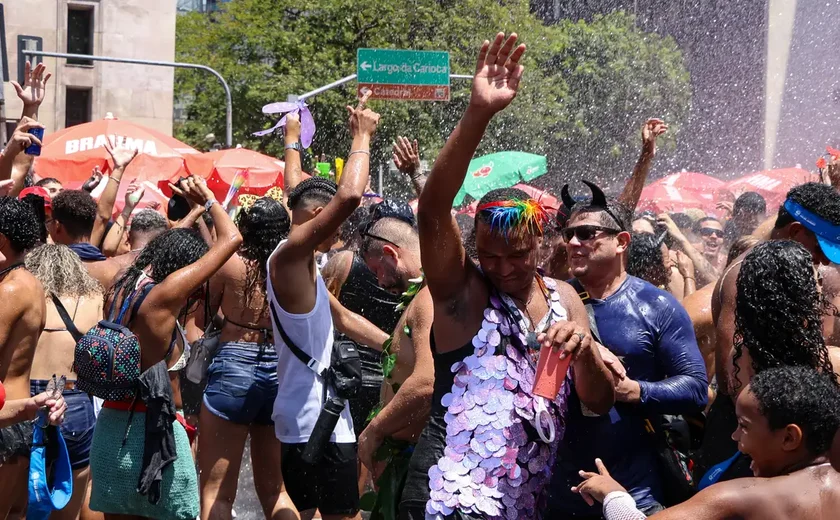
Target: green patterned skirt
<point>115,470</point>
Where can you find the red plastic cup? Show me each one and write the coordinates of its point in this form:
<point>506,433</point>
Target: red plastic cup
<point>551,372</point>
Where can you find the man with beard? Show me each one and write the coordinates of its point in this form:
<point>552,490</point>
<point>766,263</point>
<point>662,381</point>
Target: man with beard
<point>787,417</point>
<point>489,326</point>
<point>391,249</point>
<point>649,331</point>
<point>556,263</point>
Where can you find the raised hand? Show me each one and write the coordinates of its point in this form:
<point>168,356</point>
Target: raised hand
<point>652,129</point>
<point>21,138</point>
<point>406,155</point>
<point>497,73</point>
<point>120,156</point>
<point>133,194</point>
<point>6,186</point>
<point>292,128</point>
<point>34,85</point>
<point>195,190</point>
<point>363,121</point>
<point>93,181</point>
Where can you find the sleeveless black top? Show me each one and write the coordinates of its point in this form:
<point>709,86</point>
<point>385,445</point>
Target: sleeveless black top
<point>432,441</point>
<point>362,295</point>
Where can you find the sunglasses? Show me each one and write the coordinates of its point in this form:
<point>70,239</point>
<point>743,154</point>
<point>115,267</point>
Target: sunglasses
<point>584,233</point>
<point>366,232</point>
<point>707,232</point>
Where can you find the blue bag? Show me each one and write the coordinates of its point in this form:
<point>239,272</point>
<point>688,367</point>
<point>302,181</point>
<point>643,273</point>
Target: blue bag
<point>44,499</point>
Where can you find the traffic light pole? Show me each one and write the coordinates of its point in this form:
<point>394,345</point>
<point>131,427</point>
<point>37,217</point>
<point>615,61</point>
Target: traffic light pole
<point>172,64</point>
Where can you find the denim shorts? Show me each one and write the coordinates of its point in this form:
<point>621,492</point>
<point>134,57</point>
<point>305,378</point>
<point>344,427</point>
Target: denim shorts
<point>242,383</point>
<point>79,422</point>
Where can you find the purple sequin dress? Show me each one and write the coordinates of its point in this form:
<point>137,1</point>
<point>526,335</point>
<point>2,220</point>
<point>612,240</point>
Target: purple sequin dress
<point>495,465</point>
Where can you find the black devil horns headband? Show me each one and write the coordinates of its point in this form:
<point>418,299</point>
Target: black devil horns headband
<point>599,201</point>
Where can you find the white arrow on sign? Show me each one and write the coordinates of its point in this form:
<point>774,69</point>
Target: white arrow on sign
<point>365,65</point>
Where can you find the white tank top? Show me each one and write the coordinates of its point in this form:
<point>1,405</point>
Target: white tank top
<point>300,393</point>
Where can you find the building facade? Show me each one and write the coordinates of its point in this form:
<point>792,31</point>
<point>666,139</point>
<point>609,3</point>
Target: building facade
<point>82,91</point>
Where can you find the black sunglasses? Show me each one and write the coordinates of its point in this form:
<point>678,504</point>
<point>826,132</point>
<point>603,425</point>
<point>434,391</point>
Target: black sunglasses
<point>366,233</point>
<point>707,232</point>
<point>586,232</point>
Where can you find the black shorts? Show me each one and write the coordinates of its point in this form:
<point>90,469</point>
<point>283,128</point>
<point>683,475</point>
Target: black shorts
<point>331,485</point>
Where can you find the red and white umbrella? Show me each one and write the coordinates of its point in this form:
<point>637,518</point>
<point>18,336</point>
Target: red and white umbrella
<point>681,191</point>
<point>773,185</point>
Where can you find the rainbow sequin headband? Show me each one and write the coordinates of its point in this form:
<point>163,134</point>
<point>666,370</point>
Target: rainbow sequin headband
<point>515,215</point>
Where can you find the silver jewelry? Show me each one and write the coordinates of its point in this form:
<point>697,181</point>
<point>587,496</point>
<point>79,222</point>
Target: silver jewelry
<point>580,336</point>
<point>366,152</point>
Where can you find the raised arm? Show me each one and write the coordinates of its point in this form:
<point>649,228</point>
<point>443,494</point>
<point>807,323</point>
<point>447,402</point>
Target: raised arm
<point>14,164</point>
<point>292,173</point>
<point>356,327</point>
<point>172,291</point>
<point>194,215</point>
<point>336,271</point>
<point>105,207</point>
<point>291,265</point>
<point>633,189</point>
<point>115,235</point>
<point>495,84</point>
<point>705,272</point>
<point>406,155</point>
<point>34,88</point>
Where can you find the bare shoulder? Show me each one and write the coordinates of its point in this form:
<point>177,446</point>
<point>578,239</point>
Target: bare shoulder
<point>421,310</point>
<point>726,286</point>
<point>834,357</point>
<point>20,288</point>
<point>698,304</point>
<point>337,269</point>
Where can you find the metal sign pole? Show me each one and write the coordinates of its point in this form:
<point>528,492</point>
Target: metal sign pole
<point>173,64</point>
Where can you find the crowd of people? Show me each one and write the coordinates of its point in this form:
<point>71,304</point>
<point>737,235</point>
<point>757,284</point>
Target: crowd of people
<point>371,353</point>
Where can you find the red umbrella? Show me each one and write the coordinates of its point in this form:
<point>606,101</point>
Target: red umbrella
<point>773,185</point>
<point>662,198</point>
<point>220,167</point>
<point>691,188</point>
<point>70,154</point>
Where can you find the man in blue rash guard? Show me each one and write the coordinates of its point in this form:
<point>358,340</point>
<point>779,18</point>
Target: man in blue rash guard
<point>650,333</point>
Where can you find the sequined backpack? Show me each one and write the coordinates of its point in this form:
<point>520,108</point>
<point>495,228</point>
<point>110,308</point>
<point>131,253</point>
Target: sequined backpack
<point>107,357</point>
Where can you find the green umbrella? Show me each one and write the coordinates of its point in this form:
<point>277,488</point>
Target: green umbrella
<point>499,170</point>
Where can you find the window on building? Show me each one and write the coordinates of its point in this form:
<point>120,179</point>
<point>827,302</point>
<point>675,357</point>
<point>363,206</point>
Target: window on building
<point>79,33</point>
<point>76,106</point>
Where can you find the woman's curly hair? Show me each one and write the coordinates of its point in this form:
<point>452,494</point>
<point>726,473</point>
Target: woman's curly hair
<point>61,272</point>
<point>646,260</point>
<point>779,308</point>
<point>166,253</point>
<point>263,225</point>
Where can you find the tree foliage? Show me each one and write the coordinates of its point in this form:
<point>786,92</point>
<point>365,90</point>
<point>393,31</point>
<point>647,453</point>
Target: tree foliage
<point>588,87</point>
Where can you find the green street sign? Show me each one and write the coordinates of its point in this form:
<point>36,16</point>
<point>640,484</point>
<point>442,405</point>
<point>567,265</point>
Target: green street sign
<point>401,74</point>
